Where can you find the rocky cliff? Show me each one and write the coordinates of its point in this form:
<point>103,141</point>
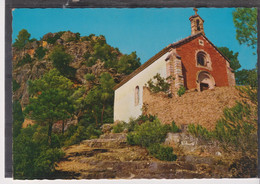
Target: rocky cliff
<point>35,67</point>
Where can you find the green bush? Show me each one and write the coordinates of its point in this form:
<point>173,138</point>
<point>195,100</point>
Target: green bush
<point>199,131</point>
<point>143,118</point>
<point>161,84</point>
<point>61,61</point>
<point>181,91</point>
<point>174,128</point>
<point>148,133</point>
<point>162,152</point>
<point>131,125</point>
<point>237,129</point>
<point>82,133</point>
<point>16,85</point>
<point>118,128</point>
<point>32,157</point>
<point>40,53</point>
<point>53,39</point>
<point>76,38</point>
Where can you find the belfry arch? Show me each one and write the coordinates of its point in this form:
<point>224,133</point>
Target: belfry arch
<point>205,81</point>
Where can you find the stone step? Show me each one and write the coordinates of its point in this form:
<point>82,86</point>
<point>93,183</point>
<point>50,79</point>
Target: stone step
<point>105,143</point>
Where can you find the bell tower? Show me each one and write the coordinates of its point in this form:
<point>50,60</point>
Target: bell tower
<point>196,23</point>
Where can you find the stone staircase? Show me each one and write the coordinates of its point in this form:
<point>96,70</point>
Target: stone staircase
<point>109,157</point>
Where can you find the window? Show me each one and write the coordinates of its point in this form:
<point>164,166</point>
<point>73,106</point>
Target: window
<point>201,58</point>
<point>137,91</point>
<point>198,24</point>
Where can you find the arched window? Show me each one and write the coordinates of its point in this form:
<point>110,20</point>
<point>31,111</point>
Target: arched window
<point>198,24</point>
<point>201,58</point>
<point>137,95</point>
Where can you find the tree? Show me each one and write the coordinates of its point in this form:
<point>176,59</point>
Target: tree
<point>128,63</point>
<point>234,62</point>
<point>50,100</point>
<point>100,98</point>
<point>22,39</point>
<point>246,26</point>
<point>61,61</point>
<point>247,77</point>
<point>32,156</point>
<point>18,118</point>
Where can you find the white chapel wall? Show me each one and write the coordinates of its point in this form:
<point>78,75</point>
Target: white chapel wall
<point>124,102</point>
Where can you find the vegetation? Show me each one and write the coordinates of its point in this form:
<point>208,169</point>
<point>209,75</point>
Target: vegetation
<point>52,40</point>
<point>16,85</point>
<point>234,62</point>
<point>237,130</point>
<point>61,61</point>
<point>181,91</point>
<point>174,128</point>
<point>33,157</point>
<point>18,118</point>
<point>22,39</point>
<point>162,152</point>
<point>160,84</point>
<point>150,135</point>
<point>50,100</point>
<point>25,60</point>
<point>200,131</point>
<point>111,57</point>
<point>247,77</point>
<point>40,53</point>
<point>246,26</point>
<point>119,127</point>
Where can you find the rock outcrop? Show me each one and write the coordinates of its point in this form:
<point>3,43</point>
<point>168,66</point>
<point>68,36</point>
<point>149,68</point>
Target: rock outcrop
<point>109,157</point>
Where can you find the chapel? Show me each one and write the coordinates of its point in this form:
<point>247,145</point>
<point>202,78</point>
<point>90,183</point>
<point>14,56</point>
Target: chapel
<point>193,62</point>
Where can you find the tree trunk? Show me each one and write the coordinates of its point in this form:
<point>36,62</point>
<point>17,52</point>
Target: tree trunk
<point>102,114</point>
<point>49,134</point>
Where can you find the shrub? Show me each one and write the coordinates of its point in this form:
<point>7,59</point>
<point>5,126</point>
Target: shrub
<point>199,131</point>
<point>53,39</point>
<point>118,128</point>
<point>237,129</point>
<point>174,128</point>
<point>181,91</point>
<point>82,133</point>
<point>76,38</point>
<point>161,84</point>
<point>143,118</point>
<point>40,53</point>
<point>131,125</point>
<point>162,152</point>
<point>61,61</point>
<point>16,85</point>
<point>148,133</point>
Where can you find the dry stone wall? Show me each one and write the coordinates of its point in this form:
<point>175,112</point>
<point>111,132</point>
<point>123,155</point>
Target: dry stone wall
<point>203,108</point>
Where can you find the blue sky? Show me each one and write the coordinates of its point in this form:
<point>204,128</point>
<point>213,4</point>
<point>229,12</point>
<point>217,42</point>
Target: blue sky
<point>144,30</point>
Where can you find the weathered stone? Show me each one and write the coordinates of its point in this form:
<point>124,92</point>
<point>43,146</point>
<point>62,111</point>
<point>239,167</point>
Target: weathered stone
<point>203,108</point>
<point>106,128</point>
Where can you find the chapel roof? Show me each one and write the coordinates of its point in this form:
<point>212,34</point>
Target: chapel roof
<point>161,53</point>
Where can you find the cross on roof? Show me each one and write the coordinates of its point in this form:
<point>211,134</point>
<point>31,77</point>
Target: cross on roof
<point>196,10</point>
